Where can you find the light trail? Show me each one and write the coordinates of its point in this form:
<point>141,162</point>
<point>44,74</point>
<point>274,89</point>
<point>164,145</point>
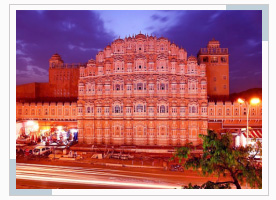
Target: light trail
<point>89,176</point>
<point>82,169</point>
<point>97,182</point>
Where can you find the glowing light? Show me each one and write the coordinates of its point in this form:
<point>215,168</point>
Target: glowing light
<point>59,128</point>
<point>73,130</point>
<point>240,100</point>
<point>30,123</point>
<point>82,176</point>
<point>36,127</point>
<point>255,101</point>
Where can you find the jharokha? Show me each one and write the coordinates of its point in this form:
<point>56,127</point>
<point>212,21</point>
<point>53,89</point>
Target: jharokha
<point>141,90</point>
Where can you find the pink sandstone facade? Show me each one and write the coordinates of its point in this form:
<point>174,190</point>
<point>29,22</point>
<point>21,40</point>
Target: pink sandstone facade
<point>141,90</point>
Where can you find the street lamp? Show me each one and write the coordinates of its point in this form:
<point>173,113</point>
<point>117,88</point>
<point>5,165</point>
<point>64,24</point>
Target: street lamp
<point>253,101</point>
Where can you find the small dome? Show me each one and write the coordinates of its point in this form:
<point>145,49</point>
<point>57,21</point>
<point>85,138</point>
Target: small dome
<point>108,47</point>
<point>213,42</point>
<point>192,58</point>
<point>118,41</point>
<point>162,38</point>
<point>91,61</point>
<point>56,57</point>
<point>140,35</point>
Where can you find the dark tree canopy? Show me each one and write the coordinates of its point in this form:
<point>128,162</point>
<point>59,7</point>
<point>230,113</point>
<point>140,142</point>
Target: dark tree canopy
<point>221,157</point>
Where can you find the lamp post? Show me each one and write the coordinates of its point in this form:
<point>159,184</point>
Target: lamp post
<point>253,101</point>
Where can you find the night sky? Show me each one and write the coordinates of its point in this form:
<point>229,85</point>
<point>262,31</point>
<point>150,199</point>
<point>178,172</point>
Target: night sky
<point>78,35</point>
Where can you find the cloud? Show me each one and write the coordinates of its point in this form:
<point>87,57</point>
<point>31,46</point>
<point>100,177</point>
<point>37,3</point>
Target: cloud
<point>67,26</point>
<point>76,35</point>
<point>239,31</point>
<point>26,59</point>
<point>74,47</point>
<point>253,42</point>
<point>35,73</point>
<point>155,17</point>
<point>214,16</point>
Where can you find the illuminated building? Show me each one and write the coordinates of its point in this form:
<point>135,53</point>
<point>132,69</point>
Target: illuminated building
<point>140,90</point>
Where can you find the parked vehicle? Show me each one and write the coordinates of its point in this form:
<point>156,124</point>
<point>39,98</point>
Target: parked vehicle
<point>122,156</point>
<point>42,151</point>
<point>23,140</point>
<point>176,167</point>
<point>28,152</point>
<point>116,156</point>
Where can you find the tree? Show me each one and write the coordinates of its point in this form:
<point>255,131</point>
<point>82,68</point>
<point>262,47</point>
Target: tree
<point>220,157</point>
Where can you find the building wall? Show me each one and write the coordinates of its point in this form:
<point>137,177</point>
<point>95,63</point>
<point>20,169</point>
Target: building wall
<point>63,83</point>
<point>228,115</point>
<point>57,111</point>
<point>26,91</point>
<point>119,128</point>
<point>140,90</point>
<point>63,80</point>
<point>216,60</point>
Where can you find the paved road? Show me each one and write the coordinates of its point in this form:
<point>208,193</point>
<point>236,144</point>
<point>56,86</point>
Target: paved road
<point>53,176</point>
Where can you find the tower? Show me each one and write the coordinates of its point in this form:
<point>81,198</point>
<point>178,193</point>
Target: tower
<point>216,60</point>
<point>63,78</point>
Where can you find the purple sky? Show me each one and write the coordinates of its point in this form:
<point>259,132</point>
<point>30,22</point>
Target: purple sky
<point>78,35</point>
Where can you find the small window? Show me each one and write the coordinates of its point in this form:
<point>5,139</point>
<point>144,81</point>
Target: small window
<point>223,59</point>
<point>140,67</point>
<point>214,59</point>
<point>205,59</point>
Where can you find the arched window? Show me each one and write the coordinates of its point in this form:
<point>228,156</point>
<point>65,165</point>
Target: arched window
<point>139,86</point>
<point>162,109</point>
<point>162,86</point>
<point>139,108</point>
<point>117,87</point>
<point>88,109</point>
<point>194,109</point>
<point>117,109</point>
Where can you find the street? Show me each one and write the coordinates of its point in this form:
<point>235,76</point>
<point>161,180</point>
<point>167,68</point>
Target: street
<point>36,176</point>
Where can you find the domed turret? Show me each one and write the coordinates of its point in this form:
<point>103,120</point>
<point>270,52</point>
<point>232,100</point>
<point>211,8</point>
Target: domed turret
<point>55,60</point>
<point>192,58</point>
<point>140,36</point>
<point>213,44</point>
<point>162,38</point>
<point>119,40</point>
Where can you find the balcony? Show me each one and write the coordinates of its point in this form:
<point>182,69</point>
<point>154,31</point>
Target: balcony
<point>162,114</point>
<point>117,114</point>
<point>213,51</point>
<point>139,114</point>
<point>140,92</point>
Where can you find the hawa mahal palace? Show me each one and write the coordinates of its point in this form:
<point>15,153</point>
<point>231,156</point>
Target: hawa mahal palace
<point>140,90</point>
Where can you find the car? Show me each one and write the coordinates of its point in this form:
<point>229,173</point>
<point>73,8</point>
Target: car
<point>176,167</point>
<point>42,151</point>
<point>28,152</point>
<point>116,156</point>
<point>23,140</point>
